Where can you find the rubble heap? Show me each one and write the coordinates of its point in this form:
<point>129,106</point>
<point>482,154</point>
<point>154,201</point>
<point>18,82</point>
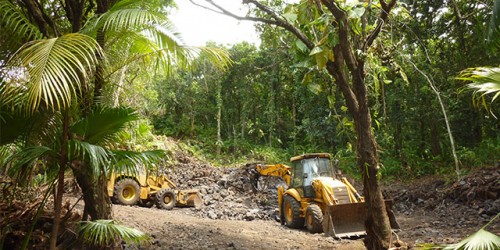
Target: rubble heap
<point>228,193</point>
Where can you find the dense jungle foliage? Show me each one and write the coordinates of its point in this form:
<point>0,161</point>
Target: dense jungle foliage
<point>273,103</point>
<point>92,86</point>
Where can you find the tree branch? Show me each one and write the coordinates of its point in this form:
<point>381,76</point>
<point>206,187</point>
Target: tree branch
<point>343,31</point>
<point>275,19</point>
<point>384,14</point>
<point>336,69</point>
<point>37,15</point>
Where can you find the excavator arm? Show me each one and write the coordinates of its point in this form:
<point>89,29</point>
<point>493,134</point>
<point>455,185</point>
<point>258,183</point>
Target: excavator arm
<point>278,170</point>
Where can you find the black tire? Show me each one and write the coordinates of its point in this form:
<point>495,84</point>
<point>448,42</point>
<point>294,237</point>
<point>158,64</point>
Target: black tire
<point>127,192</point>
<point>291,211</point>
<point>165,199</point>
<point>314,219</point>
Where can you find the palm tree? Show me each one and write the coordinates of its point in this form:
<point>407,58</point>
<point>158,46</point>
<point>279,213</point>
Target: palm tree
<point>55,65</point>
<point>89,148</point>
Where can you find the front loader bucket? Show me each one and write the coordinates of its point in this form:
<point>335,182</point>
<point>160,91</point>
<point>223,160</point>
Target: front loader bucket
<point>348,220</point>
<point>345,220</point>
<point>189,198</point>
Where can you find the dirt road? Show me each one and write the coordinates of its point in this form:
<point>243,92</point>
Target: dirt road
<point>178,229</point>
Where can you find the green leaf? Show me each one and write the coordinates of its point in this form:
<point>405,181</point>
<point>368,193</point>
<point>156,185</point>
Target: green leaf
<point>105,232</point>
<point>28,156</point>
<point>56,69</point>
<point>315,88</point>
<point>356,12</point>
<point>290,17</point>
<point>96,156</point>
<point>103,124</point>
<point>307,79</point>
<point>16,21</point>
<point>316,50</point>
<point>480,240</point>
<point>301,46</point>
<point>485,80</point>
<point>124,161</point>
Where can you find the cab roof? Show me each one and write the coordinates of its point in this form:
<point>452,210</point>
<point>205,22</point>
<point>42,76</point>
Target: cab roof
<point>306,156</point>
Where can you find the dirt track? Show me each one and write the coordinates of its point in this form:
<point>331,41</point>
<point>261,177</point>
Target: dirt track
<point>178,229</point>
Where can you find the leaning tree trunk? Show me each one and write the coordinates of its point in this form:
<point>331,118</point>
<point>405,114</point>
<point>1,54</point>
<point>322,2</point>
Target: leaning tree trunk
<point>377,225</point>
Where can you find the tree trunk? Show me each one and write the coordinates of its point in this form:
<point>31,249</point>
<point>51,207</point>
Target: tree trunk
<point>377,225</point>
<point>219,117</point>
<point>84,178</point>
<point>60,182</point>
<point>435,142</point>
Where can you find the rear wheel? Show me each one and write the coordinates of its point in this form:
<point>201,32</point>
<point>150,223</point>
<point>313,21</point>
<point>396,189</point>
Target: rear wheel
<point>165,199</point>
<point>127,192</point>
<point>291,210</point>
<point>314,219</point>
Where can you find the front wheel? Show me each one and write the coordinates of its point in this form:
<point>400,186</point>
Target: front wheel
<point>314,219</point>
<point>165,199</point>
<point>127,192</point>
<point>291,210</point>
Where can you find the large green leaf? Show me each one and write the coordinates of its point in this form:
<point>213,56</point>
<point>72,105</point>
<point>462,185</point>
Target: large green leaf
<point>14,20</point>
<point>96,156</point>
<point>102,124</point>
<point>485,80</point>
<point>480,240</point>
<point>137,32</point>
<point>56,68</point>
<point>105,232</point>
<point>28,156</point>
<point>125,161</point>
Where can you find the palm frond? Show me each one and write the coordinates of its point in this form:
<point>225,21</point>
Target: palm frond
<point>103,124</point>
<point>218,57</point>
<point>105,232</point>
<point>56,68</point>
<point>95,156</point>
<point>27,157</point>
<point>126,161</point>
<point>125,15</point>
<point>480,240</point>
<point>160,47</point>
<point>485,80</point>
<point>6,152</point>
<point>15,21</point>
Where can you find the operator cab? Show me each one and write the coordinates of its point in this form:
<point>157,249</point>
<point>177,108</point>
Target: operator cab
<point>306,168</point>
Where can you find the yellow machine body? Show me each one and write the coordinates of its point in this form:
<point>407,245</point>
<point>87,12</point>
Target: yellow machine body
<point>317,199</point>
<point>130,188</point>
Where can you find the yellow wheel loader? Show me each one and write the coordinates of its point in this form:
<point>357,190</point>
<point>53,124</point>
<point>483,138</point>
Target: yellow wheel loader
<point>140,187</point>
<point>317,199</point>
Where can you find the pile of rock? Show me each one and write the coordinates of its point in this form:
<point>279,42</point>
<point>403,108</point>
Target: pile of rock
<point>228,193</point>
<point>459,208</point>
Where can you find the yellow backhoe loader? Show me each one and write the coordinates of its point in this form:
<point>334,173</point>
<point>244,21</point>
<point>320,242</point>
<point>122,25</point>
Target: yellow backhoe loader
<point>319,200</point>
<point>138,186</point>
